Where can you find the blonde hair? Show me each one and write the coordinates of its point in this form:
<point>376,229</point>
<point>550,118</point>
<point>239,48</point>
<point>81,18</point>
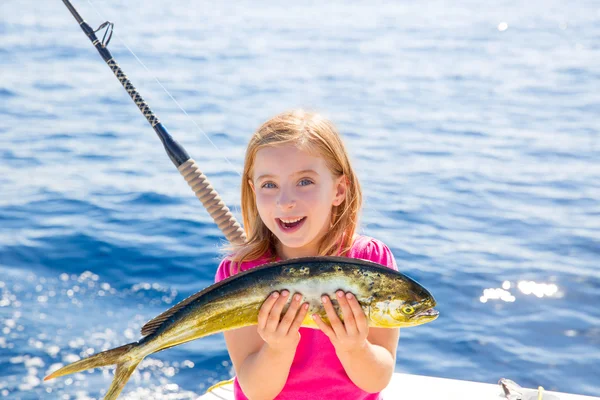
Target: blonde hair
<point>316,135</point>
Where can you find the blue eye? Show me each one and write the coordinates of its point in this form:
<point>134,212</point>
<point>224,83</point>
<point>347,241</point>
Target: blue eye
<point>268,185</point>
<point>305,182</point>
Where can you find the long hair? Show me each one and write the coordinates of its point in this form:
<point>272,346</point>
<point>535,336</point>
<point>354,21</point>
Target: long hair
<point>314,134</point>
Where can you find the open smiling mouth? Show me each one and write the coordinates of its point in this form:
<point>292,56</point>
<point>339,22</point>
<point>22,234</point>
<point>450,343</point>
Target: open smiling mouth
<point>290,224</point>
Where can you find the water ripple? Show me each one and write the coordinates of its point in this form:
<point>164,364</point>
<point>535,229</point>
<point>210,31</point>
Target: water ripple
<point>474,133</point>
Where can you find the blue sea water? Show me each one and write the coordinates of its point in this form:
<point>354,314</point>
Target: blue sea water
<point>474,128</point>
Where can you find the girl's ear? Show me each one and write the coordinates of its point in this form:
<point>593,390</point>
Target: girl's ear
<point>251,185</point>
<point>341,187</point>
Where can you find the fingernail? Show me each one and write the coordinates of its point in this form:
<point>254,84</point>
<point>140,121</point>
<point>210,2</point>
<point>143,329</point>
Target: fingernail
<point>275,295</point>
<point>349,295</point>
<point>297,297</point>
<point>340,294</point>
<point>324,299</point>
<point>314,316</point>
<point>285,293</point>
<point>305,306</point>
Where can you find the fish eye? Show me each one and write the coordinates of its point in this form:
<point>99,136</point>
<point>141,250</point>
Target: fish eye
<point>408,309</point>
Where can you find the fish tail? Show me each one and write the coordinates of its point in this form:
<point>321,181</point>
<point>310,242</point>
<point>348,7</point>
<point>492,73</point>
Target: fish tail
<point>123,356</point>
<point>122,374</point>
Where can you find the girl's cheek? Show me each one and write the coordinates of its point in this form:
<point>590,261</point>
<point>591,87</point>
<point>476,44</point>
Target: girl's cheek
<point>312,196</point>
<point>262,197</point>
<point>264,203</point>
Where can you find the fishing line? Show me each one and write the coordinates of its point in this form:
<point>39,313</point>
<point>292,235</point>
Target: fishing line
<point>173,98</point>
<point>188,168</point>
<point>166,91</point>
<point>186,165</point>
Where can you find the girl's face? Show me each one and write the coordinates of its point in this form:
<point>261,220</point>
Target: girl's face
<point>295,192</point>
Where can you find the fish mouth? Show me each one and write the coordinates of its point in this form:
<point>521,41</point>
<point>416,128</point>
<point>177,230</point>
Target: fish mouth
<point>430,313</point>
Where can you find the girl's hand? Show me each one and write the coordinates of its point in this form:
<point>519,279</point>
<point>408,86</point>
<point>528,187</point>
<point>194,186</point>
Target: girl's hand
<point>348,335</point>
<point>281,333</point>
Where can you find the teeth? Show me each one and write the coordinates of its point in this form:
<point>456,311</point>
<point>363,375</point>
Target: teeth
<point>290,221</point>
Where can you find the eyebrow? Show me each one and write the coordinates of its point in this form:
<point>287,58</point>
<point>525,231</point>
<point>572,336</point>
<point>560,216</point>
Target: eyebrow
<point>304,171</point>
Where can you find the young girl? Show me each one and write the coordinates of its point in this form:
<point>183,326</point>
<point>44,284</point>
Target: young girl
<point>300,198</point>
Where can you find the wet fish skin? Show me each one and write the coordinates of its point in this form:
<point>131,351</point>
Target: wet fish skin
<point>389,298</point>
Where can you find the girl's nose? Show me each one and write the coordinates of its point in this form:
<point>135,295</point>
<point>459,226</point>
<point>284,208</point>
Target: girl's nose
<point>285,201</point>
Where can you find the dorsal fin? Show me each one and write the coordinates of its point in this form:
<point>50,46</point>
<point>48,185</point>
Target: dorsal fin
<point>152,325</point>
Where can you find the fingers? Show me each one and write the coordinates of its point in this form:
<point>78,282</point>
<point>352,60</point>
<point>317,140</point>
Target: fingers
<point>358,314</point>
<point>354,318</point>
<point>269,315</point>
<point>326,329</point>
<point>275,313</point>
<point>334,320</point>
<point>265,310</point>
<point>272,324</point>
<point>299,318</point>
<point>290,315</point>
<point>349,322</point>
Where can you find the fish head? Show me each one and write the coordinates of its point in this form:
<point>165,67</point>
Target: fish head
<point>403,308</point>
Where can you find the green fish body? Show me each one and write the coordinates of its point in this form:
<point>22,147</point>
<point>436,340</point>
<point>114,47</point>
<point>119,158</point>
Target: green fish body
<point>389,299</point>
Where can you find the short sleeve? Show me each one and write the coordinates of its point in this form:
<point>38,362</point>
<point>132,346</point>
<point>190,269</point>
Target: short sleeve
<point>224,270</point>
<point>378,252</point>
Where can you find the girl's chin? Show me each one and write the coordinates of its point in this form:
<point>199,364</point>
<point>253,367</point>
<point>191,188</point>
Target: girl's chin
<point>296,247</point>
<point>303,245</point>
<point>292,243</point>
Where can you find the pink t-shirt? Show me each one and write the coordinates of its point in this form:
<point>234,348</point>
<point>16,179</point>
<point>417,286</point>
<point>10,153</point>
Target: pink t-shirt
<point>316,372</point>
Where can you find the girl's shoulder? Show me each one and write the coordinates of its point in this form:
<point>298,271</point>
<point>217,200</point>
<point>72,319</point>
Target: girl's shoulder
<point>227,267</point>
<point>371,249</point>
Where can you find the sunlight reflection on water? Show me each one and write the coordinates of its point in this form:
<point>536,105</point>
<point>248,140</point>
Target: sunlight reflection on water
<point>474,131</point>
<point>525,287</point>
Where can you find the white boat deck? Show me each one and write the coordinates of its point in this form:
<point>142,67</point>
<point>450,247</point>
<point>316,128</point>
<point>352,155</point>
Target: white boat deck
<point>416,387</point>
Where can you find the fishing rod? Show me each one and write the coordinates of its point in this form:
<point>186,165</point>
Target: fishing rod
<point>187,167</point>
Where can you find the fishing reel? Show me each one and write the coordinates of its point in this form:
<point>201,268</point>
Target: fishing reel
<point>512,391</point>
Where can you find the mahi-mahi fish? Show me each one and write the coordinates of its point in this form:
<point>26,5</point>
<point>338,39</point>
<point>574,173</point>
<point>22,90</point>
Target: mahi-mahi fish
<point>389,299</point>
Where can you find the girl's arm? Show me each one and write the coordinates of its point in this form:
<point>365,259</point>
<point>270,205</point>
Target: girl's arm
<point>367,355</point>
<point>262,355</point>
<point>371,366</point>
